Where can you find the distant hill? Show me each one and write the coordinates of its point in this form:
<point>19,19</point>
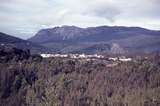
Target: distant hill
<point>6,39</point>
<point>74,39</point>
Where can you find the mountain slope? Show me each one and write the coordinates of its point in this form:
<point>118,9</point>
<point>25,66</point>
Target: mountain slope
<point>6,39</point>
<point>70,38</point>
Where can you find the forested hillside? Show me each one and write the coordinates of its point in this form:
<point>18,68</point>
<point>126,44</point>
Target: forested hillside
<point>34,81</point>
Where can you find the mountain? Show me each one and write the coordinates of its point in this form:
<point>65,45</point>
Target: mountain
<point>119,39</point>
<point>9,40</point>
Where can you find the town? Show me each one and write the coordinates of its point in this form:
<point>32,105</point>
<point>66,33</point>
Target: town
<point>88,57</point>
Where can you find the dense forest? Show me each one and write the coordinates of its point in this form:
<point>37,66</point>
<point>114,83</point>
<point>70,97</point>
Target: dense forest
<point>30,80</point>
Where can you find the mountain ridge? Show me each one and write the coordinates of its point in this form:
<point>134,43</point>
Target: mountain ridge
<point>68,32</point>
<point>91,40</point>
<point>67,39</point>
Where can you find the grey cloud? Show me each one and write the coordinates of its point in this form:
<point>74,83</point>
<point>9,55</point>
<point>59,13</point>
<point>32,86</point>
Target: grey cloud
<point>102,8</point>
<point>108,12</point>
<point>29,16</point>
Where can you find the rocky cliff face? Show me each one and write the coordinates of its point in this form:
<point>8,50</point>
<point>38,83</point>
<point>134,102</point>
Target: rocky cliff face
<point>116,49</point>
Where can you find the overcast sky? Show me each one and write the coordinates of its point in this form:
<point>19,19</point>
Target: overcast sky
<point>23,18</point>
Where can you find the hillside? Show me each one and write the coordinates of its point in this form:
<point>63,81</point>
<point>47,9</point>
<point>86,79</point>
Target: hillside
<point>68,39</point>
<point>9,40</point>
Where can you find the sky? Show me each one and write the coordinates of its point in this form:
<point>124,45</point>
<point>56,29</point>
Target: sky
<point>24,18</point>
